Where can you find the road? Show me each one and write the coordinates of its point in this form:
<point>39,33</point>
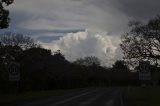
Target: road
<point>88,97</point>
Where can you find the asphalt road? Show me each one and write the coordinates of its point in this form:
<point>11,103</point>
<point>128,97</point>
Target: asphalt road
<point>88,97</point>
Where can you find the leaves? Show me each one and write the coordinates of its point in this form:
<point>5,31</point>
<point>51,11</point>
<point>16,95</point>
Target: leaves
<point>4,14</point>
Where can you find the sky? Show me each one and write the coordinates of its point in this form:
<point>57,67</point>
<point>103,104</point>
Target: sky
<point>80,28</point>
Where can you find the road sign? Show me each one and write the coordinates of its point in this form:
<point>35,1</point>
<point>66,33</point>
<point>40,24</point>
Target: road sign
<point>14,72</point>
<point>144,71</point>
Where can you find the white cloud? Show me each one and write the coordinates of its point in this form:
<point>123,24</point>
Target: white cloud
<point>109,16</point>
<point>48,15</point>
<point>81,44</point>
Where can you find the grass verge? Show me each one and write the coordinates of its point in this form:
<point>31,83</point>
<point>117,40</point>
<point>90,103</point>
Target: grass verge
<point>148,96</point>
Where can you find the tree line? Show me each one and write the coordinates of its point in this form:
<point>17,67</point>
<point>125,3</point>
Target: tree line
<point>40,69</point>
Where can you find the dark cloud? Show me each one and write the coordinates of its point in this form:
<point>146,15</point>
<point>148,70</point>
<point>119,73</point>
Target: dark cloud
<point>55,31</point>
<point>138,9</point>
<point>60,21</point>
<point>48,39</point>
<point>109,15</point>
<point>141,9</point>
<point>15,19</point>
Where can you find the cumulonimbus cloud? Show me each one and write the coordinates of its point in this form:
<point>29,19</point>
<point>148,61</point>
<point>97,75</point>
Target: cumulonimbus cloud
<point>82,44</point>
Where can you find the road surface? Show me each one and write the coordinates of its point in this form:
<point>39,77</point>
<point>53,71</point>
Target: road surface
<point>88,97</point>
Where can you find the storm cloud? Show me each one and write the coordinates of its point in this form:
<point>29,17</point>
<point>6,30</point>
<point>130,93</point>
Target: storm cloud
<point>50,21</point>
<point>82,44</point>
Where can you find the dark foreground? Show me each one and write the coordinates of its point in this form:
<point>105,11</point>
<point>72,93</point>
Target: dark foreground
<point>88,97</point>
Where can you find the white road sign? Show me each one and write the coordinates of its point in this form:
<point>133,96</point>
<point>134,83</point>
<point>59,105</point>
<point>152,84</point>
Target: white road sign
<point>14,72</point>
<point>144,71</point>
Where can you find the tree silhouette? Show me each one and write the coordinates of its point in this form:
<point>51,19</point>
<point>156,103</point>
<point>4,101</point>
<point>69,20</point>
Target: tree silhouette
<point>88,61</point>
<point>142,42</point>
<point>34,63</point>
<point>120,65</point>
<point>4,14</point>
<point>17,39</point>
<point>59,57</point>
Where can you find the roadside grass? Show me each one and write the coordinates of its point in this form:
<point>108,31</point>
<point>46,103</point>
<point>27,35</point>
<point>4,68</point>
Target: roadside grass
<point>148,96</point>
<point>31,96</point>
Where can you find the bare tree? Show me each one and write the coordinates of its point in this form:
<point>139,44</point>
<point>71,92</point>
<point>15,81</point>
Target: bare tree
<point>17,39</point>
<point>142,42</point>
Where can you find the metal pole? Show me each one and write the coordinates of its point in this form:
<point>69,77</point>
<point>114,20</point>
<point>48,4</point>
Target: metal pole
<point>155,75</point>
<point>156,72</point>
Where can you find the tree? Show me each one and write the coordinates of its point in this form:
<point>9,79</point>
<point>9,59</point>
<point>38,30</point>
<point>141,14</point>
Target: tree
<point>34,68</point>
<point>59,57</point>
<point>12,46</point>
<point>16,39</point>
<point>142,42</point>
<point>88,61</point>
<point>120,65</point>
<point>4,14</point>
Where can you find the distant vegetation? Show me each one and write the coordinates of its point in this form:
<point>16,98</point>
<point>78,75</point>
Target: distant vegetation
<point>42,70</point>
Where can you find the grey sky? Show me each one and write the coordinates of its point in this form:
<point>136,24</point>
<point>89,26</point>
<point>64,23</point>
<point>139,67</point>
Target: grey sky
<point>49,21</point>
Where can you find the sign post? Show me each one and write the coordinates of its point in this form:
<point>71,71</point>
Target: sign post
<point>14,72</point>
<point>14,75</point>
<point>144,72</point>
